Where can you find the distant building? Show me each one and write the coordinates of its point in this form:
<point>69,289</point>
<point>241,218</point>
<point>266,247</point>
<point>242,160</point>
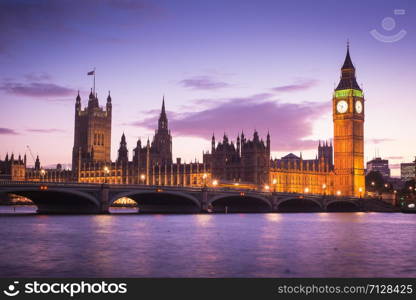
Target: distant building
<point>407,171</point>
<point>380,165</point>
<point>12,168</point>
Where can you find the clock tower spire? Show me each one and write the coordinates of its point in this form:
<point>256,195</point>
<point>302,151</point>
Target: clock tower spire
<point>348,117</point>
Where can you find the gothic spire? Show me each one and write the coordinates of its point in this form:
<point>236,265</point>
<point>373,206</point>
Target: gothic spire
<point>163,119</point>
<point>163,106</point>
<point>122,151</point>
<point>348,62</point>
<point>348,80</point>
<point>123,140</point>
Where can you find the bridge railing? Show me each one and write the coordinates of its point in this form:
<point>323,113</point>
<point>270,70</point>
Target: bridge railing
<point>170,188</point>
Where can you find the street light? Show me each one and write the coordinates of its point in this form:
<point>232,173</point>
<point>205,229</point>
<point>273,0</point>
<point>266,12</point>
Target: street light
<point>306,190</point>
<point>266,187</point>
<point>43,173</point>
<point>274,181</point>
<point>360,190</point>
<point>204,177</point>
<point>106,172</point>
<point>338,193</point>
<point>324,188</point>
<point>373,183</point>
<point>215,182</point>
<point>142,178</point>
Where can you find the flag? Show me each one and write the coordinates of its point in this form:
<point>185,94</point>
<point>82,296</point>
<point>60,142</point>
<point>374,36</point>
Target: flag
<point>91,73</point>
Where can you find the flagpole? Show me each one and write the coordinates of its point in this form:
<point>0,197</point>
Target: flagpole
<point>94,81</point>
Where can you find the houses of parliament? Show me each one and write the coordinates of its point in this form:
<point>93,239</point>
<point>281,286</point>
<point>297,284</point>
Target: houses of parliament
<point>338,167</point>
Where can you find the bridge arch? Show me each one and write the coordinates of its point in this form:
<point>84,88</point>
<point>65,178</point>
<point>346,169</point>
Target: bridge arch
<point>160,201</point>
<point>58,200</point>
<point>342,206</point>
<point>240,203</point>
<point>299,204</point>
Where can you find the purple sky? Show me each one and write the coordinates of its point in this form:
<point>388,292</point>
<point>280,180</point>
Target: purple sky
<point>222,66</point>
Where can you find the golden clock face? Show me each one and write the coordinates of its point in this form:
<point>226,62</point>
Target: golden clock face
<point>342,106</point>
<point>358,106</point>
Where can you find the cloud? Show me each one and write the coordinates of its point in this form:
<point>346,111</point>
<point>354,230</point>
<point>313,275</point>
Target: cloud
<point>37,76</point>
<point>7,131</point>
<point>299,85</point>
<point>51,130</point>
<point>379,141</point>
<point>289,123</point>
<point>36,89</point>
<point>203,83</point>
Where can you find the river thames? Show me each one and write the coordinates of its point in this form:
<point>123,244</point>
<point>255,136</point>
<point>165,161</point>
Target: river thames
<point>209,245</point>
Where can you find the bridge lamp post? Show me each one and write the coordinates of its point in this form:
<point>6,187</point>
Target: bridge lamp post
<point>306,190</point>
<point>274,182</point>
<point>395,197</point>
<point>204,177</point>
<point>361,191</point>
<point>106,172</point>
<point>266,187</point>
<point>324,188</point>
<point>338,193</point>
<point>142,178</point>
<point>43,173</point>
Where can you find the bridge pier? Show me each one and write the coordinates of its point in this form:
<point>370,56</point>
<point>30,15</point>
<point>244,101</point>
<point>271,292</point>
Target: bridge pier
<point>104,199</point>
<point>204,201</point>
<point>274,202</point>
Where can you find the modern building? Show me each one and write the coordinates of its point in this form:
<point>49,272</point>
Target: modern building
<point>337,169</point>
<point>407,171</point>
<point>380,165</point>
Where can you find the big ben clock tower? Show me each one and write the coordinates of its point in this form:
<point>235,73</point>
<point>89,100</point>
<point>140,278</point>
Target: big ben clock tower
<point>348,116</point>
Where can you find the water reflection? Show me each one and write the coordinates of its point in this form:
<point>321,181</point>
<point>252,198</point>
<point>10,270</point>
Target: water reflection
<point>209,245</point>
<point>273,217</point>
<point>203,220</point>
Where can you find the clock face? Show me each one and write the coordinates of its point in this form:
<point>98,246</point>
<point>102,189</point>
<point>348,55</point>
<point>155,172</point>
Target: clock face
<point>358,106</point>
<point>342,106</point>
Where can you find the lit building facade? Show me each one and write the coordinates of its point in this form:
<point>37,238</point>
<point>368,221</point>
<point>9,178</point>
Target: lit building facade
<point>407,171</point>
<point>294,174</point>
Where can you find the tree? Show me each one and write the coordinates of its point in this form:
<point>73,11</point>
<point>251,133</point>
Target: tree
<point>374,182</point>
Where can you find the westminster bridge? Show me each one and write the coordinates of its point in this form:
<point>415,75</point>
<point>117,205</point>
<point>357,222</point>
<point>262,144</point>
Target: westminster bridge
<point>97,198</point>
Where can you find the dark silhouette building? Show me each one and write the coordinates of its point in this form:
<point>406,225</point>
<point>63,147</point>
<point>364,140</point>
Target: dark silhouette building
<point>246,161</point>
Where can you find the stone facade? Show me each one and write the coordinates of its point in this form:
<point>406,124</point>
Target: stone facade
<point>13,168</point>
<point>247,161</point>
